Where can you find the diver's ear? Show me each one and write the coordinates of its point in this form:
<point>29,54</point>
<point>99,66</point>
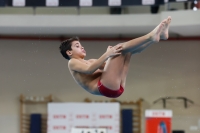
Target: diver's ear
<point>69,52</point>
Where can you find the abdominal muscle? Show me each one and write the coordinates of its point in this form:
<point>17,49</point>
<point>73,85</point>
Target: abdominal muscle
<point>88,81</point>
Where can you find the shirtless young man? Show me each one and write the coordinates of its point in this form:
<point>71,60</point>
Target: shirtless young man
<point>106,76</point>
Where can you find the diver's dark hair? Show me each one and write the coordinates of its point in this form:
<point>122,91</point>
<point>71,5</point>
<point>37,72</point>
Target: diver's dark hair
<point>66,45</point>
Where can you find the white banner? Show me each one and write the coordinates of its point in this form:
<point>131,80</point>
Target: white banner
<point>52,2</point>
<point>65,116</point>
<point>148,2</point>
<point>91,130</point>
<point>158,113</point>
<point>18,2</point>
<point>85,2</point>
<point>114,2</point>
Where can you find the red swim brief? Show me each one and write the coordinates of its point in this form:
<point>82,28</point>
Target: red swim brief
<point>108,92</point>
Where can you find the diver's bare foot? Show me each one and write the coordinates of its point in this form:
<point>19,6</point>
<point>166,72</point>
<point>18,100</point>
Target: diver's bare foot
<point>155,34</point>
<point>164,33</point>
